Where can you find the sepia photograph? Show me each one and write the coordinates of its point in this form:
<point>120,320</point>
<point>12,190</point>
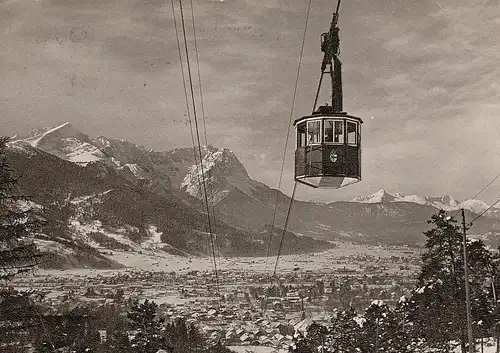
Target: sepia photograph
<point>250,176</point>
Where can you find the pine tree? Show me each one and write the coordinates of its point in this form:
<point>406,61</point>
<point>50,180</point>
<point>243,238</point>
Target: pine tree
<point>437,306</point>
<point>146,326</point>
<point>345,330</point>
<point>381,330</point>
<point>18,252</point>
<point>178,336</point>
<point>300,345</point>
<point>317,335</point>
<point>19,319</point>
<point>404,328</point>
<point>196,341</point>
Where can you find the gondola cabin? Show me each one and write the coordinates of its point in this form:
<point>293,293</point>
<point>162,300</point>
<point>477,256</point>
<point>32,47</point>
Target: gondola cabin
<point>328,142</point>
<point>328,149</point>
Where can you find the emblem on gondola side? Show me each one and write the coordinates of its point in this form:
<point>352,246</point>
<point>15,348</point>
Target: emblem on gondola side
<point>333,156</point>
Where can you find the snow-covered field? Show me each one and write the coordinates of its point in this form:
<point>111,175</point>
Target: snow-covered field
<point>255,349</point>
<point>489,346</point>
<point>330,259</point>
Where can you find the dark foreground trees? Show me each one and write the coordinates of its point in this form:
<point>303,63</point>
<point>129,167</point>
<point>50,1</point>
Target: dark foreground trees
<point>105,328</point>
<point>18,252</point>
<point>433,318</point>
<point>437,308</point>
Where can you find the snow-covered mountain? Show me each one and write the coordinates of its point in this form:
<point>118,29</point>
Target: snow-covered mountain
<point>223,173</point>
<point>446,202</point>
<point>120,196</point>
<point>65,142</point>
<point>379,196</point>
<point>104,196</point>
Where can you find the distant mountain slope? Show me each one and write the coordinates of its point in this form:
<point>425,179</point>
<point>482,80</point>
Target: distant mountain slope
<point>119,196</point>
<point>377,218</point>
<point>96,206</point>
<point>446,202</point>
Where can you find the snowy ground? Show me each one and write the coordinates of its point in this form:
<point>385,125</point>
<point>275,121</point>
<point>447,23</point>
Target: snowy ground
<point>330,259</point>
<point>489,346</point>
<point>261,349</point>
<point>255,349</point>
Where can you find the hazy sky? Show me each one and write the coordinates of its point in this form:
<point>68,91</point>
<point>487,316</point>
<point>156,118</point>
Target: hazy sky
<point>424,76</point>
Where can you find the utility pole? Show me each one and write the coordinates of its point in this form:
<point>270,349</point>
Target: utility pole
<point>302,307</point>
<point>467,289</point>
<point>497,334</point>
<point>494,289</point>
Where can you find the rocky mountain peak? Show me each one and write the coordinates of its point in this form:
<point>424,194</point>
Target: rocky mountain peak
<point>380,196</point>
<point>221,170</point>
<point>65,142</point>
<point>445,202</point>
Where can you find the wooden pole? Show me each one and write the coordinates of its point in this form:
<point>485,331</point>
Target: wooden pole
<point>497,336</point>
<point>494,289</point>
<point>467,288</point>
<point>302,306</point>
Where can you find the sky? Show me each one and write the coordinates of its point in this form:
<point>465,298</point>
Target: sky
<point>423,75</point>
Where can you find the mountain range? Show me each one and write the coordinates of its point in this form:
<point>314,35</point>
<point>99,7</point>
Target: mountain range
<point>102,196</point>
<point>446,202</point>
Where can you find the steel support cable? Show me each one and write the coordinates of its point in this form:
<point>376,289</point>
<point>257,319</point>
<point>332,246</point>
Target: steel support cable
<point>271,232</point>
<point>317,92</point>
<point>199,75</point>
<point>482,213</point>
<point>284,231</point>
<point>199,150</point>
<point>186,97</point>
<point>479,193</point>
<point>280,244</point>
<point>211,189</point>
<point>185,89</point>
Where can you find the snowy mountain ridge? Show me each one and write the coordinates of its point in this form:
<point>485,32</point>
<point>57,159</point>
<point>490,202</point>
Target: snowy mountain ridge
<point>156,168</point>
<point>221,168</point>
<point>65,142</point>
<point>163,189</point>
<point>222,172</point>
<point>445,202</point>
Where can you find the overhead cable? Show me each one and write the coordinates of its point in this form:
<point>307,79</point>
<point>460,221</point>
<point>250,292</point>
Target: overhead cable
<point>212,243</point>
<point>482,213</point>
<point>271,231</point>
<point>479,193</point>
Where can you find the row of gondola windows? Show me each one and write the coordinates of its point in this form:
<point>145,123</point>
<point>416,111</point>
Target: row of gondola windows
<point>333,132</point>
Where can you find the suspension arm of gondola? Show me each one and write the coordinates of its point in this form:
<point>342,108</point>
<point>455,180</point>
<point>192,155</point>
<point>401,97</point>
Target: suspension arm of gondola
<point>330,45</point>
<point>338,7</point>
<point>317,92</point>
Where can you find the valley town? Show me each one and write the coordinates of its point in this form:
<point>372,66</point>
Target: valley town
<point>249,312</point>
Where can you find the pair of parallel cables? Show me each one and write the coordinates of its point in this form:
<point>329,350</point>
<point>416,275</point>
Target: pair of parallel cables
<point>196,141</point>
<point>287,138</point>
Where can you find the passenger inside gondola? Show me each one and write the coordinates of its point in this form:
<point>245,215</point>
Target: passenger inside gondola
<point>339,132</point>
<point>313,130</point>
<point>328,130</point>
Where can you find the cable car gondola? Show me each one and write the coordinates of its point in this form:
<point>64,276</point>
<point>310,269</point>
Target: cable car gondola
<point>328,142</point>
